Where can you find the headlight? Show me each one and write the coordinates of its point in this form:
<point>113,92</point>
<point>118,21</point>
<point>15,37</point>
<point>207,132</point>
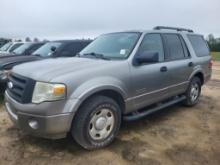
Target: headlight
<point>48,92</point>
<point>4,74</point>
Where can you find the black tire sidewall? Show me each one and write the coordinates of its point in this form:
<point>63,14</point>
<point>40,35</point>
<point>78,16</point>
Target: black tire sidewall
<point>114,132</point>
<point>188,99</point>
<point>80,129</point>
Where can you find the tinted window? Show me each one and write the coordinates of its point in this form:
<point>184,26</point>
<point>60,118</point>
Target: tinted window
<point>15,46</point>
<point>22,48</point>
<point>152,43</point>
<point>33,48</point>
<point>72,49</point>
<point>6,46</point>
<point>174,47</point>
<point>199,45</point>
<point>45,50</point>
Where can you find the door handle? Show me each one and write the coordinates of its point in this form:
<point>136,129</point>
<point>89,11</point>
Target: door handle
<point>191,64</point>
<point>163,69</point>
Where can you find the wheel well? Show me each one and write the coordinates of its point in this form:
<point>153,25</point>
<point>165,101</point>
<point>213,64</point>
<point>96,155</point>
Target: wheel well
<point>112,94</point>
<point>108,93</point>
<point>200,76</point>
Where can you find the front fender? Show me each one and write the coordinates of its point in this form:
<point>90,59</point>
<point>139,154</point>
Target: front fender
<point>99,84</point>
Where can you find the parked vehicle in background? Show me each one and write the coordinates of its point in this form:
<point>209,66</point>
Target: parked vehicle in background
<point>27,48</point>
<point>62,48</point>
<point>3,41</point>
<point>119,75</point>
<point>23,50</point>
<point>9,47</point>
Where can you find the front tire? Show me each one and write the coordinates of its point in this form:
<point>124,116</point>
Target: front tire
<point>97,122</point>
<point>193,92</point>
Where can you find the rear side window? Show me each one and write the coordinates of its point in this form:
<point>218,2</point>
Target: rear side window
<point>199,45</point>
<point>174,47</point>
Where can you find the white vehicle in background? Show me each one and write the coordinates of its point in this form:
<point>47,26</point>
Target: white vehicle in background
<point>10,47</point>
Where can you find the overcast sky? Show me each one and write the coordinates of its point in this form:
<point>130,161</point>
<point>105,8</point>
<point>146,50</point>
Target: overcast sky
<point>68,19</point>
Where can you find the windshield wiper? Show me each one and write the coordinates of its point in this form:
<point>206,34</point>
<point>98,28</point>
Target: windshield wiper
<point>97,55</point>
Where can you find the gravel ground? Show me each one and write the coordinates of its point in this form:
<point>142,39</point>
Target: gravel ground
<point>177,135</point>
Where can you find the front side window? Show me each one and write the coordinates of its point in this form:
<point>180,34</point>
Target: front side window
<point>46,50</point>
<point>199,45</point>
<point>152,43</point>
<point>113,46</point>
<point>174,47</point>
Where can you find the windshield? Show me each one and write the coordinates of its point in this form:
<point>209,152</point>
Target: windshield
<point>112,46</point>
<point>45,50</point>
<point>21,49</point>
<point>14,46</point>
<point>6,46</point>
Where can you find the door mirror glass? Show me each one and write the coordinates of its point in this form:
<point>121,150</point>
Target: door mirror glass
<point>146,57</point>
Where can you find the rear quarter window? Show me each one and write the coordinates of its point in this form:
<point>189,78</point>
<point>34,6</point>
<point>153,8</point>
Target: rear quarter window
<point>199,45</point>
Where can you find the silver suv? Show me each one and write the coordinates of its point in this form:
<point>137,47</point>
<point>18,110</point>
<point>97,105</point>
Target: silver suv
<point>123,75</point>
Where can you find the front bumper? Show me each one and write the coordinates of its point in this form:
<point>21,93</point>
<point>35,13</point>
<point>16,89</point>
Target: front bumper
<point>48,126</point>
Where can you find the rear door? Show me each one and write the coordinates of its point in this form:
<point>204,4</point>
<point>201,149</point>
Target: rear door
<point>201,50</point>
<point>179,63</point>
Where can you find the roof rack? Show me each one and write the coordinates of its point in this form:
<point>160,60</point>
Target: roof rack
<point>172,28</point>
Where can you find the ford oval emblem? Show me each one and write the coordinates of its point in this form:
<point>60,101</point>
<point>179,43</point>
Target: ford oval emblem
<point>10,85</point>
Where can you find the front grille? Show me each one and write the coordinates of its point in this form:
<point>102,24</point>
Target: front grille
<point>20,88</point>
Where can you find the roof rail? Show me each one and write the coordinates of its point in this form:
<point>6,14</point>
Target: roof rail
<point>172,28</point>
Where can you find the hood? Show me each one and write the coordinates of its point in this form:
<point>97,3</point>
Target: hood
<point>6,55</point>
<point>12,60</point>
<point>3,52</point>
<point>48,69</point>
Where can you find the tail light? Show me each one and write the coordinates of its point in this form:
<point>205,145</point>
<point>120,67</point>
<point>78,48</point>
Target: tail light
<point>210,64</point>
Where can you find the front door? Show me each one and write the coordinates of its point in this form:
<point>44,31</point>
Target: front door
<point>150,80</point>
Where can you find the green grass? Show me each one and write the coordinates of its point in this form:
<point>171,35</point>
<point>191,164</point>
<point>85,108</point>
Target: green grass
<point>216,56</point>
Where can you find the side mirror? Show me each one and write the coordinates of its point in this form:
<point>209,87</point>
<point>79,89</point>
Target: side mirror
<point>146,57</point>
<point>53,48</point>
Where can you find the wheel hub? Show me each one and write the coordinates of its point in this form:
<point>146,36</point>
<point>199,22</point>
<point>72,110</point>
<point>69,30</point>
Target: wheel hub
<point>194,92</point>
<point>100,123</point>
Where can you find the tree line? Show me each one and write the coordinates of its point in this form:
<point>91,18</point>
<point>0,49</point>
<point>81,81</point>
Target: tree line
<point>214,43</point>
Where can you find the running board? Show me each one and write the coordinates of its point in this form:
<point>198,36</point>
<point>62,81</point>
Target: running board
<point>152,110</point>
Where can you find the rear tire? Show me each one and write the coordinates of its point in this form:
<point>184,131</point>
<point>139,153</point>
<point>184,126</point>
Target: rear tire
<point>193,92</point>
<point>96,123</point>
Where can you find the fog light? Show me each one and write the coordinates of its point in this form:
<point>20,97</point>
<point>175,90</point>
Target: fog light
<point>33,124</point>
